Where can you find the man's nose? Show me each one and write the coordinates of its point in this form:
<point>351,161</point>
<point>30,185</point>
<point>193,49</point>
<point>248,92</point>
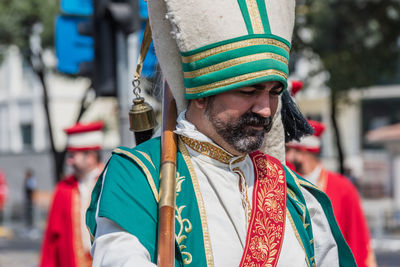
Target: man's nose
<point>262,105</point>
<point>70,160</point>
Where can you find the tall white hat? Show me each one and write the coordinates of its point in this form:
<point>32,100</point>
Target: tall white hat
<point>208,47</point>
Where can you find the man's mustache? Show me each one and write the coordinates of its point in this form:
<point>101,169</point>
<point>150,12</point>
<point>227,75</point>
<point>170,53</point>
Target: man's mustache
<point>253,119</point>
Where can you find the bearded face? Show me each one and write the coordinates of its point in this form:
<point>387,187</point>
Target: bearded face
<point>245,133</point>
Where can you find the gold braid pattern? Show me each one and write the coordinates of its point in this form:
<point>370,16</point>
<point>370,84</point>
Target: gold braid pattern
<point>210,150</point>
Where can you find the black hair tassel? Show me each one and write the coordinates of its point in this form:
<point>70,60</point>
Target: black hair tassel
<point>294,123</point>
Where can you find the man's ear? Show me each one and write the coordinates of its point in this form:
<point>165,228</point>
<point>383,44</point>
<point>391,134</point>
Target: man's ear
<point>200,103</point>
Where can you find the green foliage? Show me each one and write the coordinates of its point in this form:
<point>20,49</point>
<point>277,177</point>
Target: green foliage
<point>358,41</point>
<point>18,16</point>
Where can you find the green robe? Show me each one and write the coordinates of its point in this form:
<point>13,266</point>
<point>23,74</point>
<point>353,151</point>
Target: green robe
<point>129,197</point>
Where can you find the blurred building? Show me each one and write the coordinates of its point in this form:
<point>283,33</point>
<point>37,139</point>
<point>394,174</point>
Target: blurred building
<point>24,135</point>
<point>374,163</point>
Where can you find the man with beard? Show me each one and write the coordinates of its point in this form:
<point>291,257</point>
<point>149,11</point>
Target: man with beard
<point>66,241</point>
<point>346,203</point>
<point>235,205</point>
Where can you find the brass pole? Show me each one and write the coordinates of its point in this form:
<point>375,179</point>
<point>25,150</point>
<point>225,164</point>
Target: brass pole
<point>166,206</point>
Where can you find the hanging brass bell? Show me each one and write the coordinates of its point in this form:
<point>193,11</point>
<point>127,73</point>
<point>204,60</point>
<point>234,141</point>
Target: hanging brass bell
<point>141,116</point>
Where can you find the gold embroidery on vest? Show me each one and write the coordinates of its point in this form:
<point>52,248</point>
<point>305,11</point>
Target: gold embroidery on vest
<point>149,177</point>
<point>179,181</point>
<point>200,203</point>
<point>147,157</point>
<point>243,192</point>
<point>297,234</point>
<point>178,216</point>
<point>300,205</point>
<point>210,150</point>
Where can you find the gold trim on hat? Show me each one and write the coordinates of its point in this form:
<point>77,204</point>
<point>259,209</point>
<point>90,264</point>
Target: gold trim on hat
<point>210,150</point>
<point>237,79</point>
<point>235,62</point>
<point>255,17</point>
<point>233,46</point>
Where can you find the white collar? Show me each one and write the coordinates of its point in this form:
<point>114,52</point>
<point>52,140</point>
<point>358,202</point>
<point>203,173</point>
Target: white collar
<point>186,128</point>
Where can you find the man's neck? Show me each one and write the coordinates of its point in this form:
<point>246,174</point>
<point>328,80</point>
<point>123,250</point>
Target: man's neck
<point>314,175</point>
<point>309,166</point>
<point>84,174</point>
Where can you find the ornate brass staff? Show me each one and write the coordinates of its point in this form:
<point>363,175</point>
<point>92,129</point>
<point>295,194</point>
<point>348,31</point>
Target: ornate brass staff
<point>141,120</point>
<point>166,206</point>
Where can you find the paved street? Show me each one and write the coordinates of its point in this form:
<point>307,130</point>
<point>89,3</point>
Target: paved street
<point>25,258</point>
<point>388,259</point>
<point>20,247</point>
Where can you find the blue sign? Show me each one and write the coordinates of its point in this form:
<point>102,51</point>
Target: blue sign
<point>150,62</point>
<point>143,13</point>
<point>77,7</point>
<point>71,47</point>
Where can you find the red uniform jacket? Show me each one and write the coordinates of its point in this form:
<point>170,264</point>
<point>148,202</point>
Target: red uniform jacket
<point>349,215</point>
<point>62,243</point>
<point>3,190</point>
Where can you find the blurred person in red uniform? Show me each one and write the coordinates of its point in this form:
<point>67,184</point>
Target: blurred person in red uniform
<point>66,240</point>
<point>304,156</point>
<point>3,194</point>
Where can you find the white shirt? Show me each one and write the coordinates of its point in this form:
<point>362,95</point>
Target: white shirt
<point>85,186</point>
<point>226,218</point>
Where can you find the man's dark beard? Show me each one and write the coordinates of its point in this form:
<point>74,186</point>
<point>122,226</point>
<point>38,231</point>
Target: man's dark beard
<point>298,166</point>
<point>242,138</point>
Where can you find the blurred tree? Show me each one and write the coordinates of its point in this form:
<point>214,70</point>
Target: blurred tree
<point>18,17</point>
<point>357,41</point>
<point>29,24</point>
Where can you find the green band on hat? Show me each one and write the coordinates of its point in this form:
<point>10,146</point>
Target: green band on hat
<point>234,43</point>
<point>216,59</point>
<point>237,70</point>
<point>235,63</point>
<point>238,82</point>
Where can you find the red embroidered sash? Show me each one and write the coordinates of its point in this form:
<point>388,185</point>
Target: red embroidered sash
<point>267,223</point>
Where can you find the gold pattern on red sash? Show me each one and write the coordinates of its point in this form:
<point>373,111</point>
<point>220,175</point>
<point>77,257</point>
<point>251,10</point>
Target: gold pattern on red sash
<point>267,225</point>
